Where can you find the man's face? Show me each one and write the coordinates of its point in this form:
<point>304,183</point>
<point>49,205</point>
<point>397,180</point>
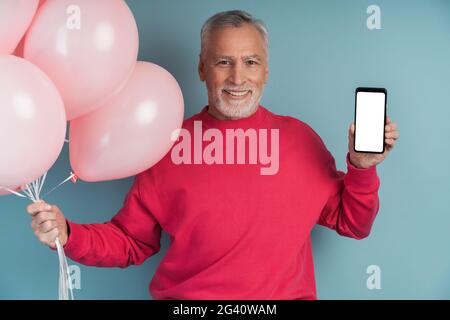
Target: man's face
<point>234,66</point>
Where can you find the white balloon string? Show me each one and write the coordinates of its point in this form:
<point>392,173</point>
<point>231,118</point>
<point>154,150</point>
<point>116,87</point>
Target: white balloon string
<point>65,281</point>
<point>29,191</point>
<point>35,188</point>
<point>14,192</point>
<point>42,182</point>
<point>32,192</point>
<point>32,186</point>
<point>26,191</point>
<point>60,184</point>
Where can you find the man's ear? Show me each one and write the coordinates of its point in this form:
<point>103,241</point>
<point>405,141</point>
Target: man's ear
<point>201,68</point>
<point>266,74</point>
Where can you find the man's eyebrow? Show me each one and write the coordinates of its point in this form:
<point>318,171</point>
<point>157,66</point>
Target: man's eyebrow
<point>254,56</point>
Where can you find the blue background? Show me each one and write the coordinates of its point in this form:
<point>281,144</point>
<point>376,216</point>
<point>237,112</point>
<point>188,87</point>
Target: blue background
<point>320,51</point>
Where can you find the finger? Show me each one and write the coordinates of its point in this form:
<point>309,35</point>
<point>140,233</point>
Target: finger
<point>34,225</point>
<point>48,237</point>
<point>388,119</point>
<point>390,127</point>
<point>36,207</point>
<point>351,129</point>
<point>47,226</point>
<point>44,216</point>
<point>52,244</point>
<point>388,148</point>
<point>390,142</point>
<point>392,134</point>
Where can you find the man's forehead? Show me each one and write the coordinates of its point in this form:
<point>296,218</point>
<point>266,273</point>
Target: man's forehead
<point>245,39</point>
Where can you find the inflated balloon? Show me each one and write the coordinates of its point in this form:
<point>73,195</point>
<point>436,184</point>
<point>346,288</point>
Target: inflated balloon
<point>15,17</point>
<point>32,122</point>
<point>4,192</point>
<point>132,131</point>
<point>18,52</point>
<point>88,48</point>
<point>19,49</point>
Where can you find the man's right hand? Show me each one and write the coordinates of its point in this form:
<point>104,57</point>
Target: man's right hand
<point>48,222</point>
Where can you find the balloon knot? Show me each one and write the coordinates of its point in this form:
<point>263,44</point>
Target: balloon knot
<point>74,178</point>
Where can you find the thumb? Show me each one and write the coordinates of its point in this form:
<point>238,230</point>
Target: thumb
<point>351,130</point>
<point>42,202</point>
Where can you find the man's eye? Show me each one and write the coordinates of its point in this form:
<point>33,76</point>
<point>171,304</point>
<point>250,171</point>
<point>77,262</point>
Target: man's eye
<point>252,62</point>
<point>223,62</point>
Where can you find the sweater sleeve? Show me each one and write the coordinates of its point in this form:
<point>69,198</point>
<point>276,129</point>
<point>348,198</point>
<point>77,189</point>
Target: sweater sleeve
<point>132,236</point>
<point>353,200</point>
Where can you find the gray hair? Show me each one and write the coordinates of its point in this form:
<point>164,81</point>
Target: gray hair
<point>232,18</point>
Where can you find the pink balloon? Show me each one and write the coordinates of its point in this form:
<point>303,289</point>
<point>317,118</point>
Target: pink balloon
<point>4,192</point>
<point>15,17</point>
<point>87,47</point>
<point>132,131</point>
<point>19,49</point>
<point>18,52</point>
<point>32,122</point>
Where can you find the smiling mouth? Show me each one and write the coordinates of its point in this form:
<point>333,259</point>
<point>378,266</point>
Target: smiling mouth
<point>237,93</point>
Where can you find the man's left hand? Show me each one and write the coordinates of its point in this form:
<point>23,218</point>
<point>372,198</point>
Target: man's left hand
<point>365,160</point>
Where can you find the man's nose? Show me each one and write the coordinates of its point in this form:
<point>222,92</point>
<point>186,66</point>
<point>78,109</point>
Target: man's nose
<point>237,76</point>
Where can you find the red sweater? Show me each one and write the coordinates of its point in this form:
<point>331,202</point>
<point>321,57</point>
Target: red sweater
<point>234,232</point>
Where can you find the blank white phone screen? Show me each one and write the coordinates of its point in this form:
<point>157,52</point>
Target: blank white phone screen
<point>369,133</point>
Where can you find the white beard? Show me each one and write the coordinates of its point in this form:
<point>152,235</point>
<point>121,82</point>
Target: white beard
<point>236,110</point>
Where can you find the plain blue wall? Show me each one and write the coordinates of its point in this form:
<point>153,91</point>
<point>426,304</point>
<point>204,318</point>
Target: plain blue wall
<point>320,51</point>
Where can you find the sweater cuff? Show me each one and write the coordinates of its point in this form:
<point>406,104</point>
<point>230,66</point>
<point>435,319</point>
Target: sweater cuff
<point>361,179</point>
<point>74,245</point>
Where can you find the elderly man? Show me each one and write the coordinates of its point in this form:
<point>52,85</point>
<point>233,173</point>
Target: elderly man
<point>236,232</point>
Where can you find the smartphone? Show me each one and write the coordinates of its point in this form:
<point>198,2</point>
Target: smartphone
<point>370,119</point>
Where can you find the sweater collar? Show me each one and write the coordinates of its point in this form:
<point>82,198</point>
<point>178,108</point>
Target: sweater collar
<point>252,121</point>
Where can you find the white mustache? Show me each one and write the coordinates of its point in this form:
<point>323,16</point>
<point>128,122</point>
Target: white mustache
<point>238,89</point>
